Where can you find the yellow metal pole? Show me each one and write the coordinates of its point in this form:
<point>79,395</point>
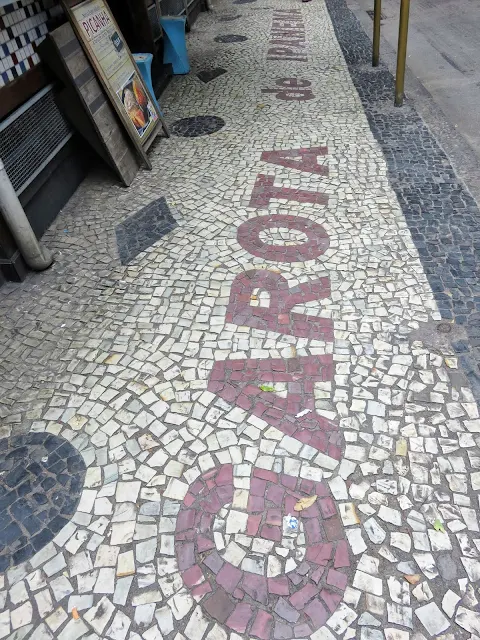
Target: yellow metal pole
<point>402,52</point>
<point>377,12</point>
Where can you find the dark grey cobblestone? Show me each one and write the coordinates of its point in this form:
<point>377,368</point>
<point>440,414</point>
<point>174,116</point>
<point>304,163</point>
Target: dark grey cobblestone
<point>229,18</point>
<point>230,37</point>
<point>443,218</point>
<point>210,74</point>
<point>197,126</point>
<point>140,231</point>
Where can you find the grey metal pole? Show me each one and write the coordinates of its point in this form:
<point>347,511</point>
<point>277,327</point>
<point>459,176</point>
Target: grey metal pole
<point>377,12</point>
<point>36,256</point>
<point>402,52</point>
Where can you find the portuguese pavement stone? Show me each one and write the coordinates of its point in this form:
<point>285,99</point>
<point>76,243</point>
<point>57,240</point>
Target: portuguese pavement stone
<point>242,402</point>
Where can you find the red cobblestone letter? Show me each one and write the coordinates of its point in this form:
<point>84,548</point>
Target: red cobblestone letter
<point>305,597</point>
<point>278,316</point>
<point>238,382</point>
<point>264,190</point>
<point>295,89</point>
<point>248,233</point>
<point>302,159</point>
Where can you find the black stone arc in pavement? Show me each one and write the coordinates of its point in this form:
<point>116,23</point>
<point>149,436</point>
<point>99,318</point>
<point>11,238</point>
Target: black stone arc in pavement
<point>210,74</point>
<point>243,1</point>
<point>229,18</point>
<point>41,480</point>
<point>197,126</point>
<point>443,217</point>
<point>230,37</point>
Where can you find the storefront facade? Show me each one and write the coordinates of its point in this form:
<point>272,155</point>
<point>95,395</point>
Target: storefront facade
<point>45,157</point>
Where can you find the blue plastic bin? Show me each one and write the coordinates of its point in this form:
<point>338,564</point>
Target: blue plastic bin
<point>175,45</point>
<point>144,64</point>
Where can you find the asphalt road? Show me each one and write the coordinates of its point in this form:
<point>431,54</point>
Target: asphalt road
<point>444,65</point>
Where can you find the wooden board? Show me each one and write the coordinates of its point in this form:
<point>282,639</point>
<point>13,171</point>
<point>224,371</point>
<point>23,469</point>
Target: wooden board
<point>115,67</point>
<point>85,103</point>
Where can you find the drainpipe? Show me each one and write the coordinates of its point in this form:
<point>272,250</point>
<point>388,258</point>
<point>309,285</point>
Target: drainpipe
<point>37,257</point>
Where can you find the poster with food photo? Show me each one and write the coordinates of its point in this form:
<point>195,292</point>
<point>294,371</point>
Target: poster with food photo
<point>137,104</point>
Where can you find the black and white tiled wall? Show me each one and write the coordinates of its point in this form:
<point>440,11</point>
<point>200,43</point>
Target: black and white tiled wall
<point>23,25</point>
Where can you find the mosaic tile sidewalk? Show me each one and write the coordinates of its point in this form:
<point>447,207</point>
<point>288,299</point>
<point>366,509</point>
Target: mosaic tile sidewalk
<point>226,411</point>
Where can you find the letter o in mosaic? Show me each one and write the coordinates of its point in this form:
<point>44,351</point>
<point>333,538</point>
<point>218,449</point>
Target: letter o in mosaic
<point>248,235</point>
<point>251,574</point>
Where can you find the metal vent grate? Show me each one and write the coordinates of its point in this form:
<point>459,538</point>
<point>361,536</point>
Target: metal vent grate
<point>172,7</point>
<point>31,136</point>
<point>154,22</point>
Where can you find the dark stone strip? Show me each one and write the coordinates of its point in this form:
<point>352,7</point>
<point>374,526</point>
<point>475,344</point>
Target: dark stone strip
<point>143,228</point>
<point>97,103</point>
<point>84,77</point>
<point>69,48</point>
<point>210,74</point>
<point>442,216</point>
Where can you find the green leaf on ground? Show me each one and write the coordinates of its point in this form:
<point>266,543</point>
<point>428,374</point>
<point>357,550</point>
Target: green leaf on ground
<point>266,387</point>
<point>438,526</point>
